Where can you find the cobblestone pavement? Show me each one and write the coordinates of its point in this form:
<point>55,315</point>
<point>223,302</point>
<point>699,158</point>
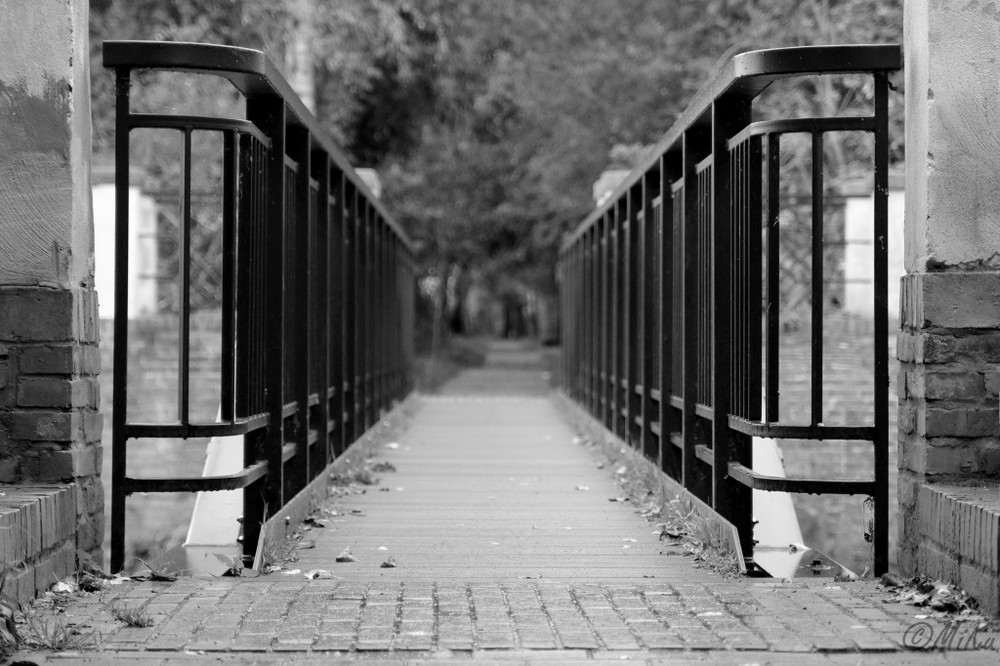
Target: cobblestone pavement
<point>503,558</point>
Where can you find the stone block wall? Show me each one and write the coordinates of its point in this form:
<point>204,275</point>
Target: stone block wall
<point>949,430</point>
<point>51,508</point>
<point>50,423</point>
<point>949,343</point>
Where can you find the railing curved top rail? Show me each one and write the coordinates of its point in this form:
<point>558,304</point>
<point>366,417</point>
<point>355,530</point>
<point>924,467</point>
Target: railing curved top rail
<point>253,74</point>
<point>746,75</point>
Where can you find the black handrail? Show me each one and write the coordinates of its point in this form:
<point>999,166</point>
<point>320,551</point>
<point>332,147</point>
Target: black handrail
<point>317,289</point>
<point>670,290</point>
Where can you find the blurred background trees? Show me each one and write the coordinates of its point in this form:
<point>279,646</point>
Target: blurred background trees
<point>489,120</point>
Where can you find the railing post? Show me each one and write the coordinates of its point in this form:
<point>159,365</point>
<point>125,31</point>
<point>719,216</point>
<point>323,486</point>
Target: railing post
<point>350,311</point>
<point>298,306</point>
<point>732,500</point>
<point>651,446</point>
<point>596,320</point>
<point>617,310</point>
<point>693,143</point>
<point>880,537</point>
<point>319,299</point>
<point>336,284</point>
<point>268,114</point>
<point>633,305</point>
<point>671,312</point>
<point>123,77</point>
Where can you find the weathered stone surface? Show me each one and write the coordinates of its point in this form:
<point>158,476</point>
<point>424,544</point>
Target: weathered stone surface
<point>953,300</point>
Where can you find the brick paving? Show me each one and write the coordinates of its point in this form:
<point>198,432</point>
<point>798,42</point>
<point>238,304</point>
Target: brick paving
<point>507,551</point>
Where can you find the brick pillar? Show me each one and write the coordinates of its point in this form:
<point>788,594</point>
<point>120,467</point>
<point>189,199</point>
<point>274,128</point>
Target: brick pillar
<point>949,345</point>
<point>50,427</point>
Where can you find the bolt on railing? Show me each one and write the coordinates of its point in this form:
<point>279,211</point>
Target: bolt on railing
<point>317,302</point>
<point>670,290</point>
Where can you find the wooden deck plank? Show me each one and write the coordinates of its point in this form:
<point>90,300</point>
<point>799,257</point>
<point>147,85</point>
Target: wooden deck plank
<point>487,487</point>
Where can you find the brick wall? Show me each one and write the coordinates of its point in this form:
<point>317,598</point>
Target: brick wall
<point>949,430</point>
<point>50,433</point>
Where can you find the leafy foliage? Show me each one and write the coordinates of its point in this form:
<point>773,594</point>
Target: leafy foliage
<point>490,119</point>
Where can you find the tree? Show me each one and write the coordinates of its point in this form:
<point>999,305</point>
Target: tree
<point>490,119</point>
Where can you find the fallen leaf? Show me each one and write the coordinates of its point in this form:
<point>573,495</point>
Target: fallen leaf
<point>891,580</point>
<point>382,548</point>
<point>365,477</point>
<point>392,445</point>
<point>63,587</point>
<point>305,545</point>
<point>390,563</point>
<point>346,556</point>
<point>313,574</point>
<point>583,487</point>
<point>629,540</point>
<point>291,572</point>
<point>313,521</point>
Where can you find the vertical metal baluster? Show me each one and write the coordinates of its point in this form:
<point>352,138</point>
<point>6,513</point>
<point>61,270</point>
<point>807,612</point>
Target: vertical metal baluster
<point>816,358</point>
<point>773,277</point>
<point>881,333</point>
<point>229,187</point>
<point>120,377</point>
<point>184,285</point>
<point>754,279</point>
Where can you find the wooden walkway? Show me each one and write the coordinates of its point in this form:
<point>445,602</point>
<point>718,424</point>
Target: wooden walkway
<point>490,487</point>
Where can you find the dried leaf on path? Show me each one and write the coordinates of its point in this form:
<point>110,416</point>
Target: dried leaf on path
<point>346,556</point>
<point>313,574</point>
<point>390,563</point>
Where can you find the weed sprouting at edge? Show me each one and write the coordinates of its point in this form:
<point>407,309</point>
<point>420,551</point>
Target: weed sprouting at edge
<point>133,615</point>
<point>53,633</point>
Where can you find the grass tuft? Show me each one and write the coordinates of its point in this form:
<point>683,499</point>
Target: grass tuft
<point>51,632</point>
<point>133,615</point>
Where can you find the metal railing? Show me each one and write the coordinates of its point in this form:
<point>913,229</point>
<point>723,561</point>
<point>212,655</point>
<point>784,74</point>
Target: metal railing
<point>317,306</point>
<point>670,291</point>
